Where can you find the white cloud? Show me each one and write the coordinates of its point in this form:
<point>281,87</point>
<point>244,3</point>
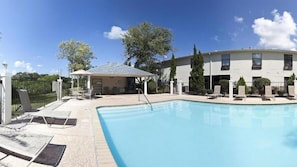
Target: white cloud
<point>238,19</point>
<point>19,64</point>
<point>39,65</point>
<point>278,33</point>
<point>216,38</point>
<point>115,33</point>
<point>24,65</point>
<point>234,35</point>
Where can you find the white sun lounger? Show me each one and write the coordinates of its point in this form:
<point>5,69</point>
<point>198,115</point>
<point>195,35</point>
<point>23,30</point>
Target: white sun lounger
<point>291,92</point>
<point>52,114</point>
<point>268,93</point>
<point>216,92</point>
<point>27,144</point>
<point>46,112</point>
<point>241,93</point>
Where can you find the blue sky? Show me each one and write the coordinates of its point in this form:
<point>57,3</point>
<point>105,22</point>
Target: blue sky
<point>31,30</point>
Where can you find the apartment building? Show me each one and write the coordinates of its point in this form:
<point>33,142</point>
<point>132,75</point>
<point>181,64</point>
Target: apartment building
<point>276,65</point>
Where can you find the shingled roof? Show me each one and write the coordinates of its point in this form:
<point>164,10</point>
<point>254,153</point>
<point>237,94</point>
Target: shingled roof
<point>116,69</point>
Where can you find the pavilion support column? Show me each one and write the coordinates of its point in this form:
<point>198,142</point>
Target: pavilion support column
<point>230,89</point>
<point>171,87</point>
<point>145,87</point>
<point>89,82</point>
<point>180,87</point>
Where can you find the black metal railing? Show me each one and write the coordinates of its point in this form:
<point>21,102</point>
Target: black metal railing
<point>40,94</point>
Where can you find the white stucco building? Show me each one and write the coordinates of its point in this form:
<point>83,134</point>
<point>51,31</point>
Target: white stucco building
<point>276,65</point>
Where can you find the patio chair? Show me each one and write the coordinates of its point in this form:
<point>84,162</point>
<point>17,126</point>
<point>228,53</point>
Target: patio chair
<point>46,112</point>
<point>241,93</point>
<point>268,93</point>
<point>26,144</point>
<point>291,92</point>
<point>88,93</point>
<point>216,93</point>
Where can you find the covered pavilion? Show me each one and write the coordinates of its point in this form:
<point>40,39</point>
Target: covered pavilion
<point>115,78</point>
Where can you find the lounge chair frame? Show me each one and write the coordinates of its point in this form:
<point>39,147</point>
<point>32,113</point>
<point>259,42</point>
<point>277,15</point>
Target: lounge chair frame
<point>291,92</point>
<point>216,93</point>
<point>27,144</point>
<point>241,93</point>
<point>268,93</point>
<point>46,112</point>
<point>51,114</point>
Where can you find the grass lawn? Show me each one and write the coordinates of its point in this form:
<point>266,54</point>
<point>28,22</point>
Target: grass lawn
<point>37,101</point>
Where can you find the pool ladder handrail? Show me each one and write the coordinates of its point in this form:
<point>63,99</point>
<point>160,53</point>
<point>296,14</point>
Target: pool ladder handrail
<point>140,91</point>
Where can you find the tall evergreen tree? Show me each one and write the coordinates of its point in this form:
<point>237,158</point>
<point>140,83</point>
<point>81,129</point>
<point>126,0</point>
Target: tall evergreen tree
<point>197,78</point>
<point>241,82</point>
<point>172,68</point>
<point>201,81</point>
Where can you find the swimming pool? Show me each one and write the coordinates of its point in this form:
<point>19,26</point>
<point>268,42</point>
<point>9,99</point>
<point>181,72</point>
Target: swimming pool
<point>191,134</point>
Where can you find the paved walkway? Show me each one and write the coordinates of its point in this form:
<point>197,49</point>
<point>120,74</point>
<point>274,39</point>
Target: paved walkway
<point>85,142</point>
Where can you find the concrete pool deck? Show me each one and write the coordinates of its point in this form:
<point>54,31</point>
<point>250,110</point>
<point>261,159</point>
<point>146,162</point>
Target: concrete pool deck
<point>85,142</point>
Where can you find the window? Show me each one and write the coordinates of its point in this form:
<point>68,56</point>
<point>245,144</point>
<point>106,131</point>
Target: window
<point>288,59</point>
<point>191,62</point>
<point>257,61</point>
<point>225,62</point>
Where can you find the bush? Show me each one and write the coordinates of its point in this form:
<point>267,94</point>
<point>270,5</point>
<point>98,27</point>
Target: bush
<point>209,91</point>
<point>260,83</point>
<point>202,92</point>
<point>291,79</point>
<point>241,82</point>
<point>224,86</point>
<point>151,86</point>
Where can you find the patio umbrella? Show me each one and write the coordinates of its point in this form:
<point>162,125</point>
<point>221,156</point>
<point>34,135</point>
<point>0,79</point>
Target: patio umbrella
<point>80,73</point>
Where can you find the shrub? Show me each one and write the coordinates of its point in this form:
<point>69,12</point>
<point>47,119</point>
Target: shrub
<point>224,86</point>
<point>151,86</point>
<point>209,91</point>
<point>291,79</point>
<point>241,82</point>
<point>260,83</point>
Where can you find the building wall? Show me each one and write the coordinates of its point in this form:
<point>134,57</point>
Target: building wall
<point>240,65</point>
<point>108,84</point>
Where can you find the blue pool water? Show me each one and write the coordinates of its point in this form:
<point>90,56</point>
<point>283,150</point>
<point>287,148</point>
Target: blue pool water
<point>193,134</point>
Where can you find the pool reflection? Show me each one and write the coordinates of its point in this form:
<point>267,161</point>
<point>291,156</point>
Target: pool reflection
<point>243,116</point>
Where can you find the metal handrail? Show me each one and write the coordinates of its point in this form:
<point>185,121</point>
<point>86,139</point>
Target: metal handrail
<point>147,100</point>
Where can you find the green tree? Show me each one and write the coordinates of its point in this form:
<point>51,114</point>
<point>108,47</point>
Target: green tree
<point>77,53</point>
<point>197,78</point>
<point>144,42</point>
<point>172,68</point>
<point>25,76</point>
<point>291,79</point>
<point>241,82</point>
<point>152,86</point>
<point>224,86</point>
<point>48,78</point>
<point>260,84</point>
